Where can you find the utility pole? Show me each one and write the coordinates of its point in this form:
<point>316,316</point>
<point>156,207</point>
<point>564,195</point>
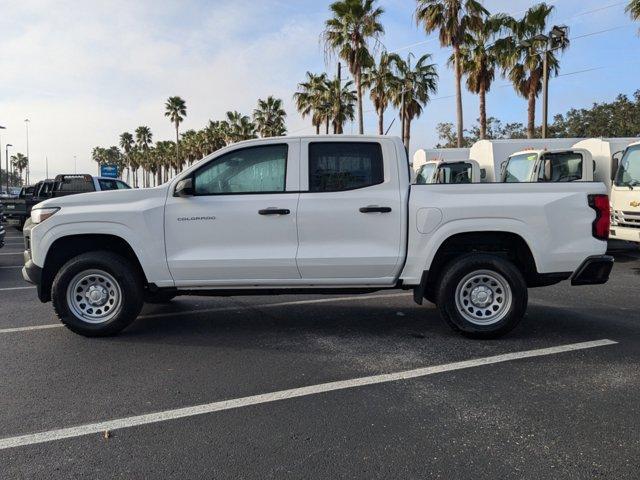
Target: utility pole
<point>75,164</point>
<point>7,172</point>
<point>46,166</point>
<point>6,157</point>
<point>26,124</point>
<point>339,89</point>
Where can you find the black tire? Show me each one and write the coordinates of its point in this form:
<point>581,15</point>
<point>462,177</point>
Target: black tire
<point>508,302</point>
<point>128,283</point>
<point>159,297</point>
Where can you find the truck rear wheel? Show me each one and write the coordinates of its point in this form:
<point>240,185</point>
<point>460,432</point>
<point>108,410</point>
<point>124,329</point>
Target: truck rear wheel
<point>97,294</point>
<point>482,295</point>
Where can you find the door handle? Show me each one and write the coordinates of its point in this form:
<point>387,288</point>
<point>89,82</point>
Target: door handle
<point>375,209</point>
<point>274,211</point>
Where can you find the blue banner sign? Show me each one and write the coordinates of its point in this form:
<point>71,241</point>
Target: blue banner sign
<point>109,171</point>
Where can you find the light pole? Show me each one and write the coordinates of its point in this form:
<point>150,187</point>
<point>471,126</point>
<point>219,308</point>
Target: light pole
<point>75,164</point>
<point>6,156</point>
<point>26,124</point>
<point>554,40</point>
<point>7,172</point>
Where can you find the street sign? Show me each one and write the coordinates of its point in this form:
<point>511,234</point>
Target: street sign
<point>109,171</point>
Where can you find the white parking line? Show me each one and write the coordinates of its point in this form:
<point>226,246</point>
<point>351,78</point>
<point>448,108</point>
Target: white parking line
<point>13,266</point>
<point>15,288</point>
<point>218,309</point>
<point>11,253</point>
<point>163,416</point>
<point>33,327</point>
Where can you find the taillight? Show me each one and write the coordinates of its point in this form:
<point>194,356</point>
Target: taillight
<point>600,227</point>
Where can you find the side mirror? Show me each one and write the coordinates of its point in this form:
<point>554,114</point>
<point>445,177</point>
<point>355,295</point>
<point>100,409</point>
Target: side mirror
<point>615,163</point>
<point>184,188</point>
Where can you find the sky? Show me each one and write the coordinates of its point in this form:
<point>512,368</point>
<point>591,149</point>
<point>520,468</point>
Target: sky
<point>84,72</point>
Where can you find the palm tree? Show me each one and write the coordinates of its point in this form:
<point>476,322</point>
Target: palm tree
<point>269,117</point>
<point>340,101</point>
<point>144,138</point>
<point>380,80</point>
<point>633,9</point>
<point>347,34</point>
<point>126,144</point>
<point>176,110</point>
<point>413,90</point>
<point>214,135</point>
<point>311,100</point>
<point>454,19</point>
<point>522,55</point>
<point>20,163</point>
<point>239,127</point>
<point>478,60</point>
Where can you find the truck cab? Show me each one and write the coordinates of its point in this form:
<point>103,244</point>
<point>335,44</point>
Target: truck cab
<point>559,165</point>
<point>625,196</point>
<point>449,171</point>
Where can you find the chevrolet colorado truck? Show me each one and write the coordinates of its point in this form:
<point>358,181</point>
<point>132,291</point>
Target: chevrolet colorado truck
<point>330,214</point>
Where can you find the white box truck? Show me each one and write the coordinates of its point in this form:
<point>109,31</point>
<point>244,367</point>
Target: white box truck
<point>602,151</point>
<point>450,165</point>
<point>493,156</point>
<point>625,196</point>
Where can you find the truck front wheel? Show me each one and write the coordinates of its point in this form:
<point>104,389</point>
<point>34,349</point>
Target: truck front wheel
<point>482,295</point>
<point>97,294</point>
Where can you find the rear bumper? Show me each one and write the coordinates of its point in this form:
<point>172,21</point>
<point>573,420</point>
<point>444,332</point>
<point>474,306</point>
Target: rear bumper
<point>624,233</point>
<point>593,271</point>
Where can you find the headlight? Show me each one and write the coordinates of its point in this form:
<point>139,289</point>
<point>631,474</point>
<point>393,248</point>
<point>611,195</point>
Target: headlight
<point>39,215</point>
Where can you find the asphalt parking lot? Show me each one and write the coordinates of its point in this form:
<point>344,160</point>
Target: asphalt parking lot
<point>313,387</point>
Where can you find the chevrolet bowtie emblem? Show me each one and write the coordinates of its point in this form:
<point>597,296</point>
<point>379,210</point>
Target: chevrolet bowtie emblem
<point>635,204</point>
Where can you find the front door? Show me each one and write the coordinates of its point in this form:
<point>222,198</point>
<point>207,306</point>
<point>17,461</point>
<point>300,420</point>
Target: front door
<point>350,213</point>
<point>239,227</point>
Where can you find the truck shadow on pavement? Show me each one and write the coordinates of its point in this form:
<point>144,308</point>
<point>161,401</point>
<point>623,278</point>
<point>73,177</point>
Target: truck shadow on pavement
<point>370,327</point>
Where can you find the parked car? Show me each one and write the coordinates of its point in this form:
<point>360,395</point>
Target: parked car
<point>315,214</point>
<point>2,233</point>
<point>18,210</point>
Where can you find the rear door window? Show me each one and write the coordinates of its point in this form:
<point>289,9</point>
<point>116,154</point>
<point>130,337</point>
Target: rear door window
<point>339,166</point>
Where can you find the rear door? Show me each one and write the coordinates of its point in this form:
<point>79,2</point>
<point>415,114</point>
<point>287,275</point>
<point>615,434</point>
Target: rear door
<point>239,227</point>
<point>350,212</point>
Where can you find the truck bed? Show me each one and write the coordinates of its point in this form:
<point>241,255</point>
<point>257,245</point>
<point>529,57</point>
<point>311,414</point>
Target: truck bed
<point>554,219</point>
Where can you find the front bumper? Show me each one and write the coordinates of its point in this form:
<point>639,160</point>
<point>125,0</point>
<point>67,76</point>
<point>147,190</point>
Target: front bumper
<point>31,272</point>
<point>594,270</point>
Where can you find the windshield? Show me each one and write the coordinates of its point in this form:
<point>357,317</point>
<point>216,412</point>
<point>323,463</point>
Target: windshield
<point>629,170</point>
<point>425,174</point>
<point>520,167</point>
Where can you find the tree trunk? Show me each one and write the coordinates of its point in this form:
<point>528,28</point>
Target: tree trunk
<point>381,122</point>
<point>358,77</point>
<point>317,129</point>
<point>458,73</point>
<point>531,115</point>
<point>483,113</point>
<point>326,126</point>
<point>407,133</point>
<point>159,175</point>
<point>177,147</point>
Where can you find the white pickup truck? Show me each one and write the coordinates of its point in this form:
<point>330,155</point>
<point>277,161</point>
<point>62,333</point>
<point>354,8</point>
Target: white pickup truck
<point>329,214</point>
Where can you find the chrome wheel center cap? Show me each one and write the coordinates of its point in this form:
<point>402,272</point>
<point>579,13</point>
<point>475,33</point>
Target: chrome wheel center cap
<point>96,295</point>
<point>481,296</point>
